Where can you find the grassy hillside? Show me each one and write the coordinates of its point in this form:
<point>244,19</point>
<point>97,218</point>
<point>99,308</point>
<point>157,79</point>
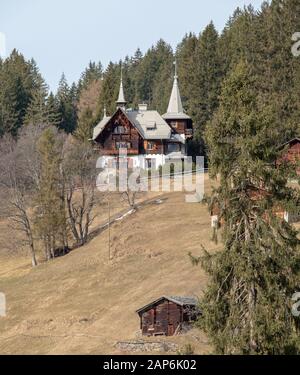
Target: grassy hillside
<point>84,303</point>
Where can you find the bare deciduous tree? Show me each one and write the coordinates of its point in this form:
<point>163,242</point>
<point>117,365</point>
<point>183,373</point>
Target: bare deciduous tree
<point>16,183</point>
<point>80,184</point>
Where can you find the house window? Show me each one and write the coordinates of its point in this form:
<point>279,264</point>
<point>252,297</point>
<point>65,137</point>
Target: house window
<point>150,146</point>
<point>120,145</point>
<point>173,147</point>
<point>119,130</point>
<point>174,124</point>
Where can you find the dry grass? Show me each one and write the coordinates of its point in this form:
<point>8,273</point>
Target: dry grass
<point>84,303</point>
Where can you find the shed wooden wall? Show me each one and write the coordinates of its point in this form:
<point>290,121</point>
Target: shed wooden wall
<point>163,318</point>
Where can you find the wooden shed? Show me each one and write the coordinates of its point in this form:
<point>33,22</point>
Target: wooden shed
<point>167,315</point>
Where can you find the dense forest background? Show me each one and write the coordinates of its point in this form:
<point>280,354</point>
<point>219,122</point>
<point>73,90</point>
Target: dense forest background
<point>261,38</point>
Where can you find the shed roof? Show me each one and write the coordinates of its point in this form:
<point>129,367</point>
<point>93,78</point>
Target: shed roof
<point>181,301</point>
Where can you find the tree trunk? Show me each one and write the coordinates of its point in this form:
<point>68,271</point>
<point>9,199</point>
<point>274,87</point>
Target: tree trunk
<point>32,251</point>
<point>72,220</point>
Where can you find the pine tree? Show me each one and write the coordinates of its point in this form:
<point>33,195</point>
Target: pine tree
<point>92,73</point>
<point>247,305</point>
<point>206,78</point>
<point>137,57</point>
<point>153,77</point>
<point>37,111</point>
<point>9,112</point>
<point>110,89</point>
<point>185,56</point>
<point>50,218</point>
<point>163,79</point>
<point>205,82</point>
<point>16,91</point>
<point>53,110</point>
<point>67,98</point>
<point>275,64</point>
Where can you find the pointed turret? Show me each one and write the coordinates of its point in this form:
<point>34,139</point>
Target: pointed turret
<point>175,103</point>
<point>179,121</point>
<point>121,102</point>
<point>175,109</point>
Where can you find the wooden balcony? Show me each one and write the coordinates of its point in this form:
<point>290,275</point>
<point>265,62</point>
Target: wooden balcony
<point>115,152</point>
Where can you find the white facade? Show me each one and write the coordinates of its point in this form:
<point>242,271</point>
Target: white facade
<point>146,161</point>
<point>135,161</point>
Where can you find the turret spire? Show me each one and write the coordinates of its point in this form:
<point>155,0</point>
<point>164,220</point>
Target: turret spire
<point>121,102</point>
<point>175,104</point>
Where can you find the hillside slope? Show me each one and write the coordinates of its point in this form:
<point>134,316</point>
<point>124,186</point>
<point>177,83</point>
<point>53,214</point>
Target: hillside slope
<point>83,303</point>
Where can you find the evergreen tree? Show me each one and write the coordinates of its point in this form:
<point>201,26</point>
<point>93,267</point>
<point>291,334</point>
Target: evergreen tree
<point>247,305</point>
<point>110,89</point>
<point>50,218</point>
<point>239,39</point>
<point>277,68</point>
<point>206,78</point>
<point>37,110</point>
<point>163,79</point>
<point>53,110</point>
<point>67,98</point>
<point>185,55</point>
<point>137,57</point>
<point>92,73</point>
<point>9,112</point>
<point>153,72</point>
<point>16,91</point>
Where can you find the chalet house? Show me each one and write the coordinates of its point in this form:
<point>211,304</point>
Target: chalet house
<point>149,138</point>
<point>167,315</point>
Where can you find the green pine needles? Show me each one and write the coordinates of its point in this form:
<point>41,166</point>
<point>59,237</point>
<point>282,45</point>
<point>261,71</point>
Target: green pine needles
<point>247,305</point>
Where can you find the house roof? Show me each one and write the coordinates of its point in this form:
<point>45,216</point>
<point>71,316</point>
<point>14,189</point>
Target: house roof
<point>176,116</point>
<point>150,124</point>
<point>98,129</point>
<point>181,301</point>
